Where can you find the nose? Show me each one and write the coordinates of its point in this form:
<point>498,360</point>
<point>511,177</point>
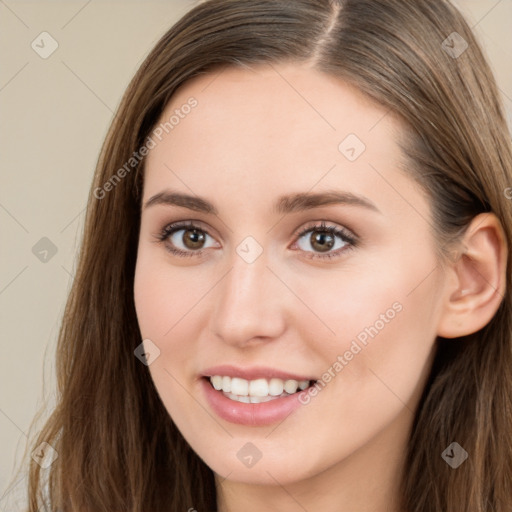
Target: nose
<point>250,303</point>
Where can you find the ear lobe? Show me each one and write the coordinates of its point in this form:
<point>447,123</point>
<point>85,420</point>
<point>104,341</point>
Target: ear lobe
<point>477,279</point>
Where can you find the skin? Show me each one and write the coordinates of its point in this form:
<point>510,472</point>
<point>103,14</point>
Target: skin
<point>252,138</point>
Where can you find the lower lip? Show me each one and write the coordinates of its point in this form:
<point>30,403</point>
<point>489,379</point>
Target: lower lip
<point>255,415</point>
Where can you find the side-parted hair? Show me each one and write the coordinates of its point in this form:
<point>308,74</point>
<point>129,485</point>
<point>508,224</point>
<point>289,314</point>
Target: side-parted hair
<point>118,449</point>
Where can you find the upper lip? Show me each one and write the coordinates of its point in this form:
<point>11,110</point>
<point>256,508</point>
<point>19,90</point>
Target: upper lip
<point>253,373</point>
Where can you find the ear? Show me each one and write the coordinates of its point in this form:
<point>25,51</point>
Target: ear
<point>476,279</point>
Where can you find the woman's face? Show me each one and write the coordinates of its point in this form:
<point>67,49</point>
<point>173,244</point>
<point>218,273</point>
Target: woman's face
<point>263,293</point>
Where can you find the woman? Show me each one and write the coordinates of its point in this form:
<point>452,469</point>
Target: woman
<point>293,291</point>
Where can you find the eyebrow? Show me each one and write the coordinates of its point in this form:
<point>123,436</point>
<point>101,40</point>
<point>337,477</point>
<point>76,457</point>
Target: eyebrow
<point>285,204</point>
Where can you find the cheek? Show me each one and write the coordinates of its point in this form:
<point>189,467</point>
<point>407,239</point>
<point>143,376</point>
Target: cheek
<point>165,295</point>
<point>366,302</point>
<point>162,309</point>
<point>167,303</point>
<point>385,325</point>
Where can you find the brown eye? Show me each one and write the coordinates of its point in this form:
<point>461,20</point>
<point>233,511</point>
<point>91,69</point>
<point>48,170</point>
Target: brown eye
<point>325,241</point>
<point>184,239</point>
<point>322,241</point>
<point>193,238</point>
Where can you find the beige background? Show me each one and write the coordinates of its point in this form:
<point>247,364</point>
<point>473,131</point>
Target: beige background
<point>55,113</point>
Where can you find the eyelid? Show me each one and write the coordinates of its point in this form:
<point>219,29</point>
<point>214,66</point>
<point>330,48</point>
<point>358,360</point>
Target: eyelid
<point>320,225</point>
<point>186,224</point>
<point>348,236</point>
<point>170,228</point>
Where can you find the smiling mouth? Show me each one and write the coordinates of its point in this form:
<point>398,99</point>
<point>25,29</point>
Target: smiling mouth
<point>258,390</point>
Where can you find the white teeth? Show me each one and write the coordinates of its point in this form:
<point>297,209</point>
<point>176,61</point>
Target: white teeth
<point>276,387</point>
<point>258,390</point>
<point>290,386</point>
<point>226,384</point>
<point>251,399</point>
<point>239,386</point>
<point>258,387</point>
<point>260,399</point>
<point>217,382</point>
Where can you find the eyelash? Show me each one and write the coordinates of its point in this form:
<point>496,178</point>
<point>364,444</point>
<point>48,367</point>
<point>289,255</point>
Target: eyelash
<point>348,238</point>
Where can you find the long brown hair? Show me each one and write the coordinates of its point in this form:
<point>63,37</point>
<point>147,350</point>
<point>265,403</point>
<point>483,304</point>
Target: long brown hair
<point>118,448</point>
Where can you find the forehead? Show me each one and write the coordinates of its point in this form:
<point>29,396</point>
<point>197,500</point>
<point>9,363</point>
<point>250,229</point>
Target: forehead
<point>272,129</point>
